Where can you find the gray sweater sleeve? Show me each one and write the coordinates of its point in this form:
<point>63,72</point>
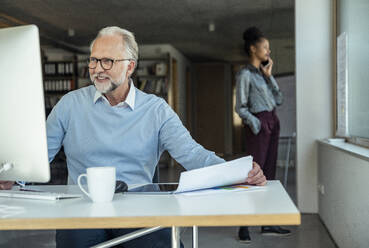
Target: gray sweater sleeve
<point>242,97</point>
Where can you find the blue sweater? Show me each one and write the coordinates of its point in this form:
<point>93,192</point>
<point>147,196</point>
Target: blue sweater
<point>130,137</point>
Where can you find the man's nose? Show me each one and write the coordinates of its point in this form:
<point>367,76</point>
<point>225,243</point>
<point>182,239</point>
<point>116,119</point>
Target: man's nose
<point>99,67</point>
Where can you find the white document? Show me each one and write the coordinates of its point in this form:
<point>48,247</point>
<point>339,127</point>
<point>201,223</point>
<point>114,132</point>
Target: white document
<point>228,173</point>
<point>224,190</point>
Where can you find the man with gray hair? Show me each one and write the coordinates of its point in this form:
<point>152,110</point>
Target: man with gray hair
<point>112,123</point>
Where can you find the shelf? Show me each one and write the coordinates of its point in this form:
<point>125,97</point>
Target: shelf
<point>58,68</point>
<point>60,77</point>
<point>56,77</point>
<point>54,92</point>
<point>153,59</point>
<point>151,76</point>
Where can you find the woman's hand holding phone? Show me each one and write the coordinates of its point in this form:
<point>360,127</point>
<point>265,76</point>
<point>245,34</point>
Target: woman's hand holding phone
<point>267,69</point>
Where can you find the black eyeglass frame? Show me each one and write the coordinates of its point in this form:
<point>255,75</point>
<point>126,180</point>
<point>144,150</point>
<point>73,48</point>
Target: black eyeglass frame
<point>101,63</point>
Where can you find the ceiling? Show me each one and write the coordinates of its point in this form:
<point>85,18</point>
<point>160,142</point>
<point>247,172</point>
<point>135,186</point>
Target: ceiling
<point>182,23</point>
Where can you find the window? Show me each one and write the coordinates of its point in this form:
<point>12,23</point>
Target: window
<point>353,19</point>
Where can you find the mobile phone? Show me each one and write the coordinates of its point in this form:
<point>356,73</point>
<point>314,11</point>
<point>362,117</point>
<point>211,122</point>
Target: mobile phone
<point>265,63</point>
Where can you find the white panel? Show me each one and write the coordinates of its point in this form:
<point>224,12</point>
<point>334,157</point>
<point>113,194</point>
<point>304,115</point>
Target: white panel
<point>342,114</point>
<point>313,93</point>
<point>344,205</point>
<point>353,19</point>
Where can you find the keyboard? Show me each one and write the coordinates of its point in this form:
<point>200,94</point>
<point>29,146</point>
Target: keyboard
<point>37,195</point>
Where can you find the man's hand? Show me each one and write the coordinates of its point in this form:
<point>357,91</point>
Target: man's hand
<point>256,176</point>
<point>6,184</point>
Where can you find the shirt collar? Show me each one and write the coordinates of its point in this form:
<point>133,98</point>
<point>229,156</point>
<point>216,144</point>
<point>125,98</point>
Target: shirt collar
<point>130,99</point>
<point>252,68</point>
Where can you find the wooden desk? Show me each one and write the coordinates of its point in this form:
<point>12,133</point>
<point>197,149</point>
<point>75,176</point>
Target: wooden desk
<point>269,206</point>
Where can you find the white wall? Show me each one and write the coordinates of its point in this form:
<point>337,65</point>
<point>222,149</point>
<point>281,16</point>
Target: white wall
<point>344,206</point>
<point>182,63</point>
<point>313,93</point>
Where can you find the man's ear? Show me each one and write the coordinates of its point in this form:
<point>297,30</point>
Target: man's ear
<point>131,67</point>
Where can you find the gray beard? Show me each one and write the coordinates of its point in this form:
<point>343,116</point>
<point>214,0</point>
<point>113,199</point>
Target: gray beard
<point>112,87</point>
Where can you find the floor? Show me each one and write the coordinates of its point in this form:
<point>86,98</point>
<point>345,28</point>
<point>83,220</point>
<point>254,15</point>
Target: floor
<point>311,232</point>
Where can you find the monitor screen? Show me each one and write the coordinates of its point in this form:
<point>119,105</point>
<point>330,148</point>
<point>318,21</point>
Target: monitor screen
<point>23,141</point>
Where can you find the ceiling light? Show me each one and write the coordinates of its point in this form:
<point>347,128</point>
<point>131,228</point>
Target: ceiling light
<point>70,32</point>
<point>211,27</point>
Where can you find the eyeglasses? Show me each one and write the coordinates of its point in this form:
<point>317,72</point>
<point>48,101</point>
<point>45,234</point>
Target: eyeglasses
<point>105,63</point>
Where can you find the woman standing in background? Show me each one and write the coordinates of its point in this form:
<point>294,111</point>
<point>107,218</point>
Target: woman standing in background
<point>257,95</point>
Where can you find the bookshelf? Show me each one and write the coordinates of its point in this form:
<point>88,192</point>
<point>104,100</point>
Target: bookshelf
<point>152,75</point>
<point>63,76</point>
<point>83,75</point>
<point>59,78</point>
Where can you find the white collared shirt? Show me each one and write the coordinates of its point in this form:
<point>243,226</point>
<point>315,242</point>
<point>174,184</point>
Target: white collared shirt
<point>130,99</point>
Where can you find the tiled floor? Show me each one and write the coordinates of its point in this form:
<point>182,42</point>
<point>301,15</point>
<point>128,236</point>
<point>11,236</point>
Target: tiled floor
<point>311,232</point>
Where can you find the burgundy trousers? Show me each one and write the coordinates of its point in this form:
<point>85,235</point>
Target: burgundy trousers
<point>264,146</point>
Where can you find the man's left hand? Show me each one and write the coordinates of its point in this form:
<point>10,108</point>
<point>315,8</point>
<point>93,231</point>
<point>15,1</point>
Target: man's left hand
<point>256,176</point>
<point>6,184</point>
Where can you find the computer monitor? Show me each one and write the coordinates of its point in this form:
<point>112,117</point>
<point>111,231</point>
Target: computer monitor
<point>23,143</point>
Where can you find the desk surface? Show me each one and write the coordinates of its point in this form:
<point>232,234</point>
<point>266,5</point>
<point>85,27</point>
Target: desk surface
<point>268,206</point>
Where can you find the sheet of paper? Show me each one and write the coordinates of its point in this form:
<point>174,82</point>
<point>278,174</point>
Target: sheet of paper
<point>228,173</point>
<point>224,190</point>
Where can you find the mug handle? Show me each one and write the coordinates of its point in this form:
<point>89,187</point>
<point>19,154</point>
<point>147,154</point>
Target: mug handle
<point>80,184</point>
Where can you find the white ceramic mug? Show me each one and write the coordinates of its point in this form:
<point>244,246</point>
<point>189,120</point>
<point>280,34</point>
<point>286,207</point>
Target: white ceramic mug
<point>100,183</point>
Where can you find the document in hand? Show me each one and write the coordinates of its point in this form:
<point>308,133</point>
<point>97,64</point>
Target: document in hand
<point>228,173</point>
